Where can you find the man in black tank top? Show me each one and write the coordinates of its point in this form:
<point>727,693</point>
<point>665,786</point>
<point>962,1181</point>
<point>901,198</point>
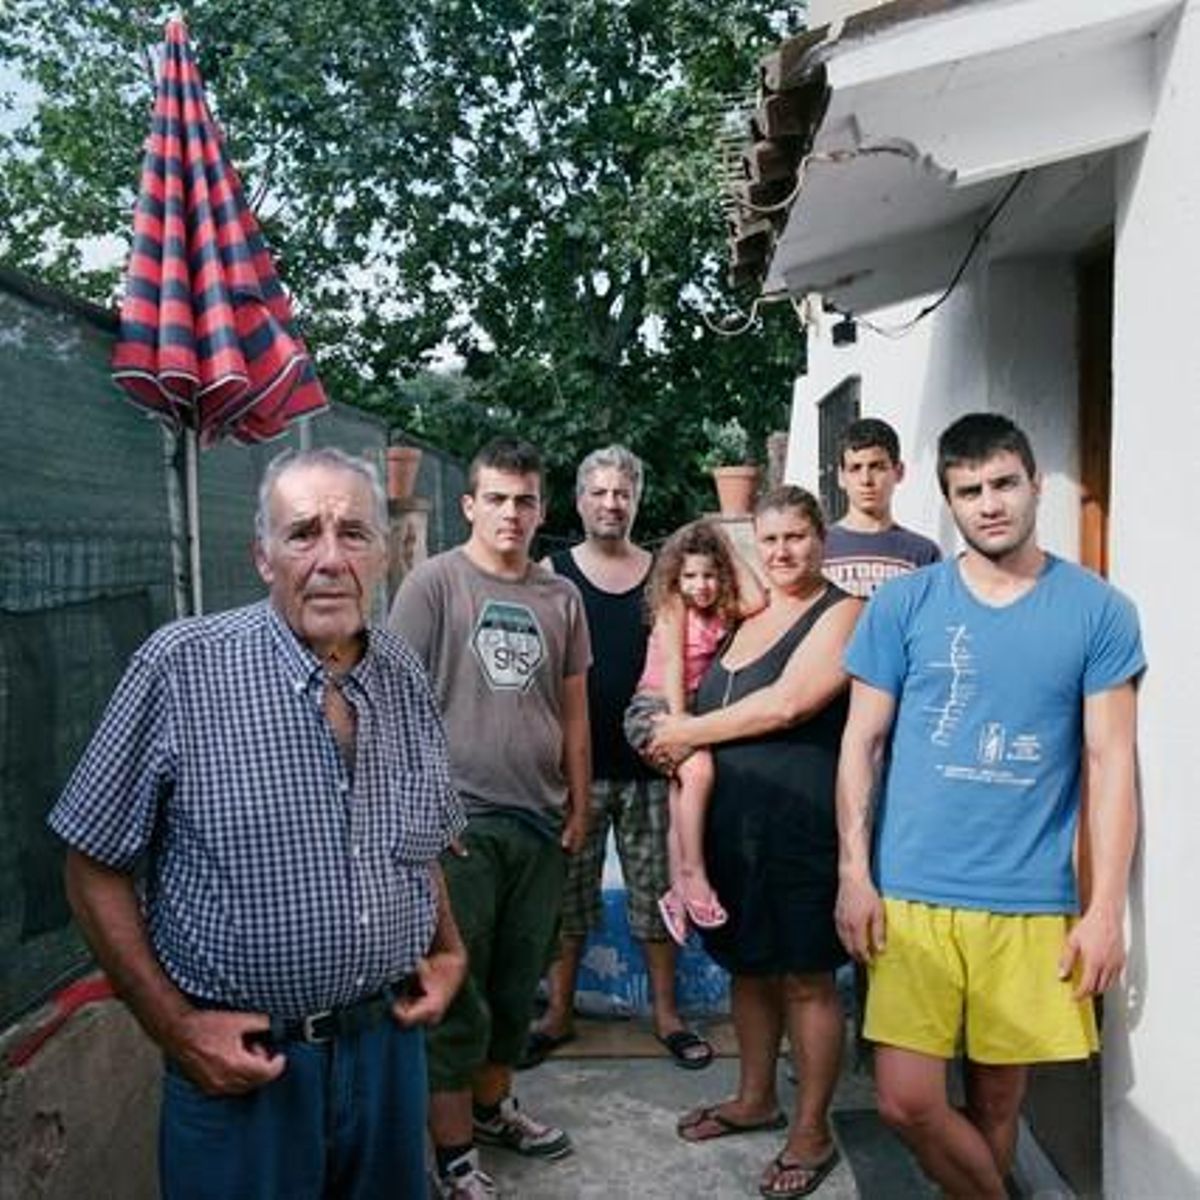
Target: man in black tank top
<point>610,572</point>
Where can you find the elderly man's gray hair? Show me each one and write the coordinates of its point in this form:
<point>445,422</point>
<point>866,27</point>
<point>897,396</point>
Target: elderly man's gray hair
<point>619,458</point>
<point>324,456</point>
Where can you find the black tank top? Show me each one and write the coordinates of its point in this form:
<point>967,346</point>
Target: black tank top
<point>618,627</point>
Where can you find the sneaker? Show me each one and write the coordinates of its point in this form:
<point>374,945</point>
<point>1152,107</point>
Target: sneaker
<point>515,1130</point>
<point>464,1180</point>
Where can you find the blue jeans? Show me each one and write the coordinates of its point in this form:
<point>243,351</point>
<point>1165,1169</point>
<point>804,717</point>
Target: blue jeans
<point>346,1119</point>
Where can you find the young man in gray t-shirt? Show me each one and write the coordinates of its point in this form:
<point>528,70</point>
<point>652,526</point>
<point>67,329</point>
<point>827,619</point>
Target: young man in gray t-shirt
<point>505,642</point>
<point>866,547</point>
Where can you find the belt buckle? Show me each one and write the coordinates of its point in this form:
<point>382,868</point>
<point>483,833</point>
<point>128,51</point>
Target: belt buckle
<point>318,1027</point>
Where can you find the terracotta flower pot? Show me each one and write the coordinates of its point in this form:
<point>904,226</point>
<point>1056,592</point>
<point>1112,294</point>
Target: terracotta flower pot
<point>402,465</point>
<point>736,489</point>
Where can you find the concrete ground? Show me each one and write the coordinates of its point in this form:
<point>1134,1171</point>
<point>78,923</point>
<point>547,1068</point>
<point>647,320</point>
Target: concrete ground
<point>621,1113</point>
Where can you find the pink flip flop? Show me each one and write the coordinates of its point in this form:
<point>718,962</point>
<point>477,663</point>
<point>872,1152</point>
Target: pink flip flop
<point>674,917</point>
<point>709,916</point>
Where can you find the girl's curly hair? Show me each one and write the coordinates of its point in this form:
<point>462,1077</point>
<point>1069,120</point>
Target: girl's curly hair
<point>697,537</point>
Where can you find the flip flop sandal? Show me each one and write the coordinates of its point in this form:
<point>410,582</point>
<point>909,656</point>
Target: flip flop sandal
<point>812,1174</point>
<point>689,1050</point>
<point>540,1046</point>
<point>709,916</point>
<point>674,917</point>
<point>707,1123</point>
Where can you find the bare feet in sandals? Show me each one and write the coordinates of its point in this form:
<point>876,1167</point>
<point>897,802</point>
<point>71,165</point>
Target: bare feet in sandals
<point>788,1179</point>
<point>726,1119</point>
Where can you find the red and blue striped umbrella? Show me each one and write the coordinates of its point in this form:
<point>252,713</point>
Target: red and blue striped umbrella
<point>208,341</point>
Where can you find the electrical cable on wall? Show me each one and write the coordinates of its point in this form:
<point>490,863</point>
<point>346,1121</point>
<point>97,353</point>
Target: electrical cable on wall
<point>906,327</point>
<point>827,156</point>
<point>823,156</point>
<point>888,331</point>
<point>747,323</point>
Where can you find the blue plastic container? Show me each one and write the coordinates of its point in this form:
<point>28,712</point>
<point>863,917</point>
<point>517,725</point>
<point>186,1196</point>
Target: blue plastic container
<point>613,980</point>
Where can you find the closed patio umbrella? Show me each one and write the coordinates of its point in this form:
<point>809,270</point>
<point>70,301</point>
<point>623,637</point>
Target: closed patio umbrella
<point>207,342</point>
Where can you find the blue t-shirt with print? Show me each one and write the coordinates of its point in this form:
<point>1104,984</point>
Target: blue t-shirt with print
<point>981,793</point>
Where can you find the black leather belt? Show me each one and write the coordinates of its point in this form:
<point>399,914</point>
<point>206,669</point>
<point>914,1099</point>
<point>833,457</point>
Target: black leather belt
<point>333,1023</point>
<point>337,1022</point>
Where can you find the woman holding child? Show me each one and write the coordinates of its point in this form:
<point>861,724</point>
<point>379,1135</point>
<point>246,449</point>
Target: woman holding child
<point>771,710</point>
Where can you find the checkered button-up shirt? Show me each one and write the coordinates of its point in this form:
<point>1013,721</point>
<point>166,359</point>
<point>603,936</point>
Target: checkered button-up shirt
<point>278,880</point>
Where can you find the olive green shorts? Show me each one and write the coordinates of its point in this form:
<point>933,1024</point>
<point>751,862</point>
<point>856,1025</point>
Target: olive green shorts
<point>506,895</point>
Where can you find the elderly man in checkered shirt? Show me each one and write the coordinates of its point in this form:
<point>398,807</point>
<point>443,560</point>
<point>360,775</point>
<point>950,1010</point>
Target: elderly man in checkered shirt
<point>281,772</point>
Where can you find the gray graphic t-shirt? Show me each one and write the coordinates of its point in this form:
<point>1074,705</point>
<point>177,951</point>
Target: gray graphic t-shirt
<point>860,562</point>
<point>497,652</point>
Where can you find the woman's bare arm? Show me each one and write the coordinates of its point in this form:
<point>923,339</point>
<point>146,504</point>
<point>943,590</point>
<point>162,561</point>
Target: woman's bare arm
<point>752,596</point>
<point>670,628</point>
<point>812,677</point>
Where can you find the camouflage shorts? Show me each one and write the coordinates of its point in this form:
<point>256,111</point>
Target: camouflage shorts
<point>636,810</point>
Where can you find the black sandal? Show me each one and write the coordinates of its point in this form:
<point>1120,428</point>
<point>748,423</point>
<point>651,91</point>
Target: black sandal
<point>689,1050</point>
<point>812,1175</point>
<point>540,1046</point>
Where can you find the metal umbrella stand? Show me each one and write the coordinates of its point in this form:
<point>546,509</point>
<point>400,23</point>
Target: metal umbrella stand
<point>208,342</point>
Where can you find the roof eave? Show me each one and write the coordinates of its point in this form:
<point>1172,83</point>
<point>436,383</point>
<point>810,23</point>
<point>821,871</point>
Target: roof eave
<point>906,152</point>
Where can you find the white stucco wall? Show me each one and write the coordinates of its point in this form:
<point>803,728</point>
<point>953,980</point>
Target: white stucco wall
<point>893,377</point>
<point>1152,1046</point>
<point>1033,377</point>
<point>1003,341</point>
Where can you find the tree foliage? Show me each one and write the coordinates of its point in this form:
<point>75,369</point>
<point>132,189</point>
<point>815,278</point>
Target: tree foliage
<point>527,187</point>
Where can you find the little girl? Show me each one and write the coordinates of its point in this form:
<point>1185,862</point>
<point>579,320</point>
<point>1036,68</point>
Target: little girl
<point>699,588</point>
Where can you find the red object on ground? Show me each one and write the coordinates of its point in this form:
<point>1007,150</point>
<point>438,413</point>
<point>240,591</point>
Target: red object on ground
<point>207,340</point>
<point>64,1004</point>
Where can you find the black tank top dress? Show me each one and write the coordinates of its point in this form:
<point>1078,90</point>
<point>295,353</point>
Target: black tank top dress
<point>771,839</point>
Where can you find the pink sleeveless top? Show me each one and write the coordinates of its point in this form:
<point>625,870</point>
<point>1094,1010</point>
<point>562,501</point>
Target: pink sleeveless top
<point>702,635</point>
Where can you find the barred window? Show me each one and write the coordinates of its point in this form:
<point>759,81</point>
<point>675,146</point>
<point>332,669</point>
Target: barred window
<point>836,411</point>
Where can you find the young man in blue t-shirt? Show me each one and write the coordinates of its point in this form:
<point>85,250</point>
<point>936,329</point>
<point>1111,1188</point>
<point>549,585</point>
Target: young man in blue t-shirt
<point>983,683</point>
<point>866,547</point>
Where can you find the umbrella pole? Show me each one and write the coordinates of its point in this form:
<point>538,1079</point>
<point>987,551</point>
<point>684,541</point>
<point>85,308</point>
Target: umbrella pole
<point>191,442</point>
<point>173,472</point>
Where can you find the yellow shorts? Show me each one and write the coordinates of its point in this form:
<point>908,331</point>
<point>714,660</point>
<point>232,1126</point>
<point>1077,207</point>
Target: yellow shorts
<point>994,976</point>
